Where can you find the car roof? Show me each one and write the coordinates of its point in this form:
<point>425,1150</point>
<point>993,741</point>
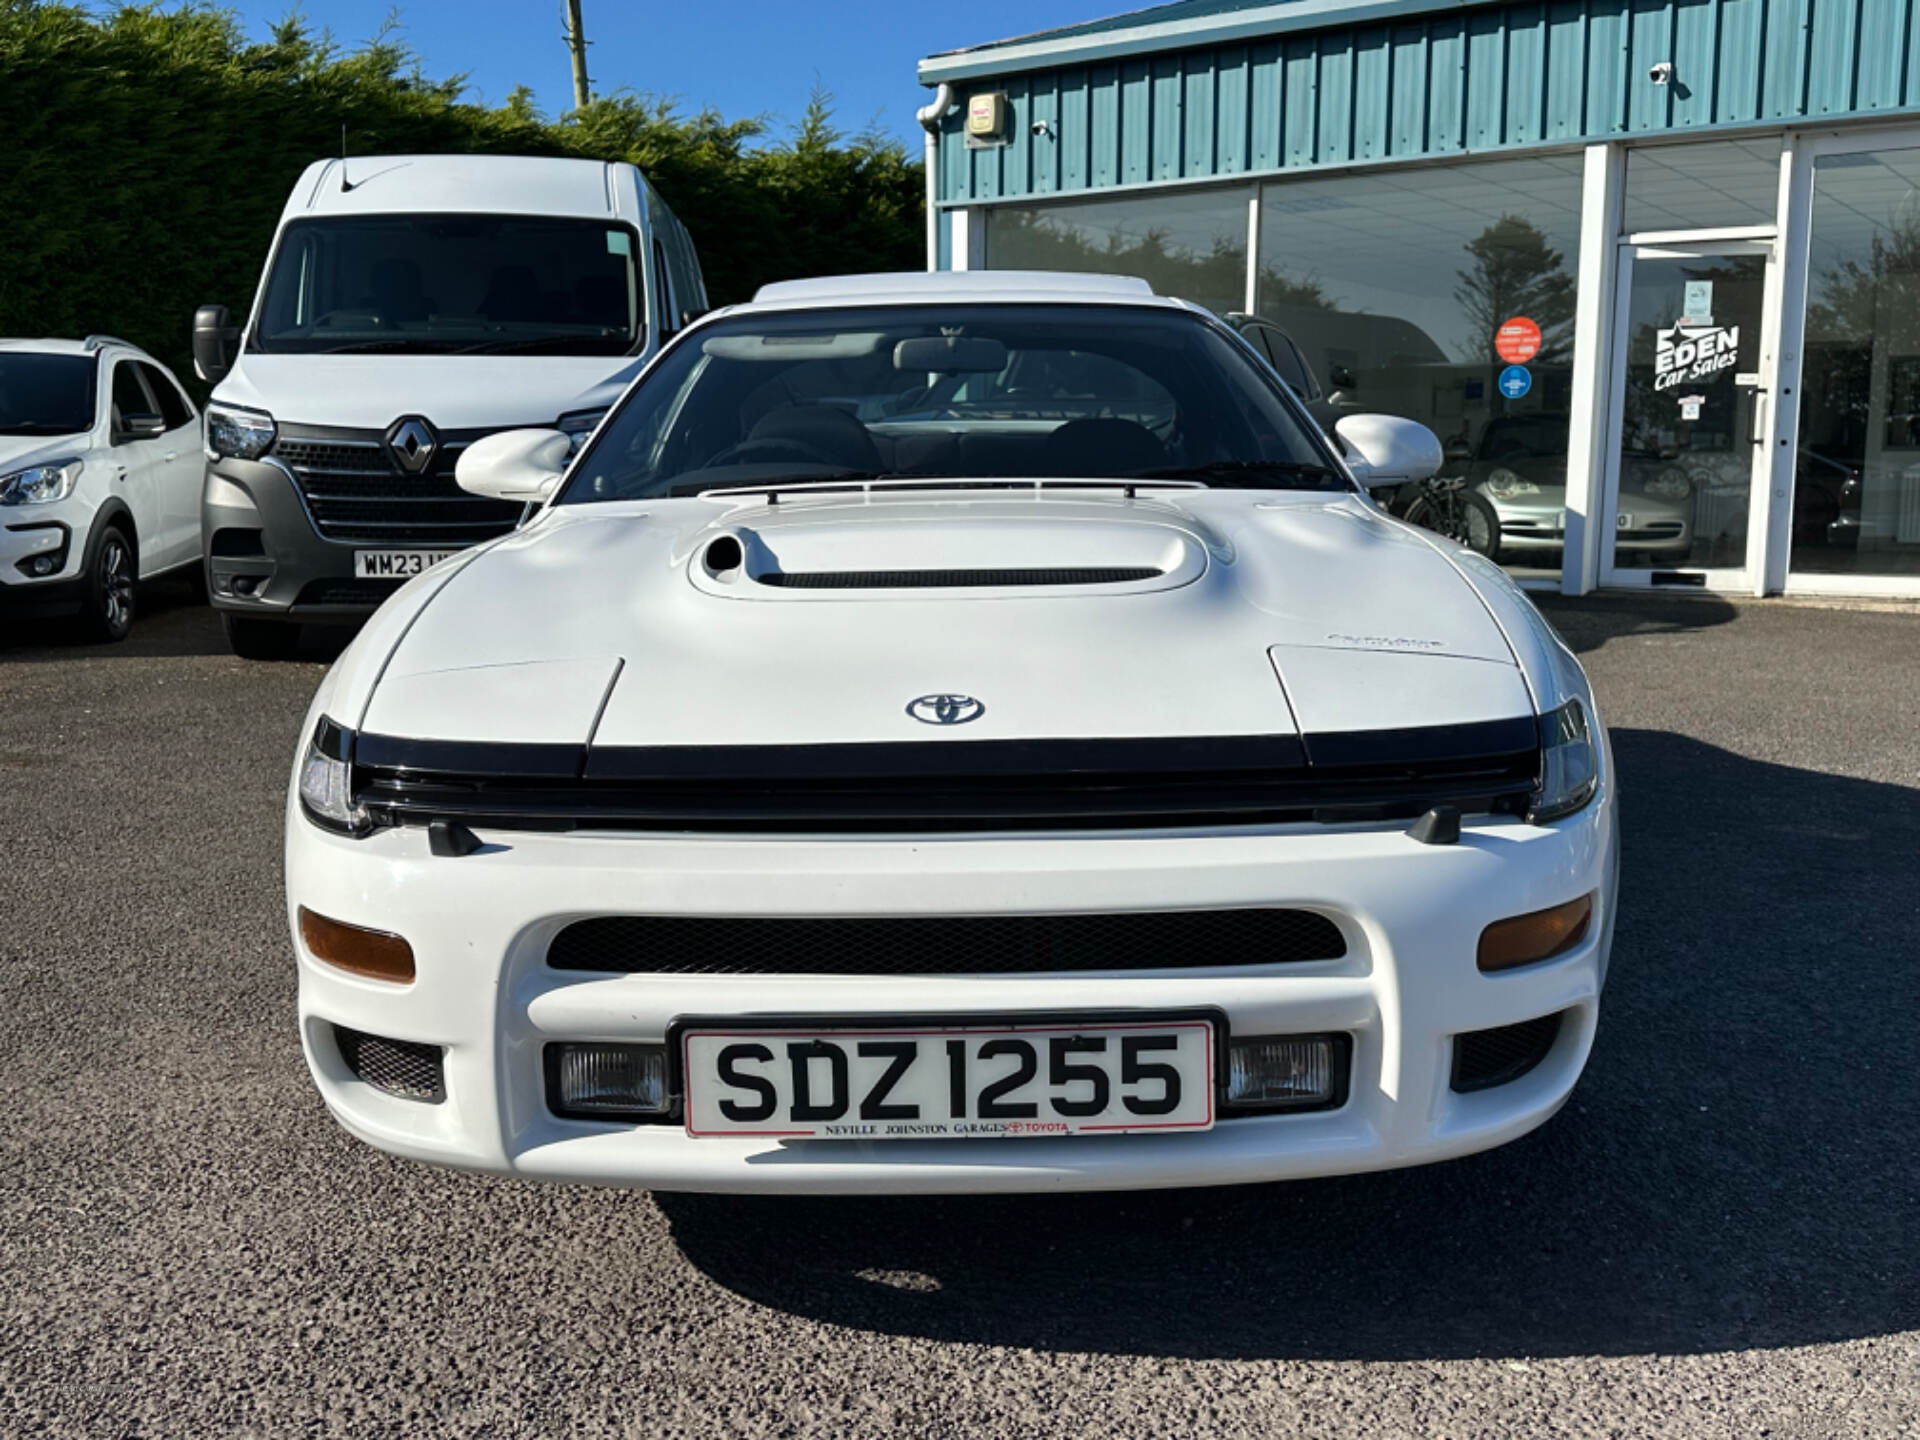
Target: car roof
<point>92,345</point>
<point>974,287</point>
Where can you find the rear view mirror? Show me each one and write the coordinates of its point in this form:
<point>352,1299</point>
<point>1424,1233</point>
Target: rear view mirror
<point>214,335</point>
<point>1387,449</point>
<point>522,465</point>
<point>950,355</point>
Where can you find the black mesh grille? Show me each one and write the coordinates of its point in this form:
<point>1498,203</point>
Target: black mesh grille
<point>346,592</point>
<point>399,1067</point>
<point>1483,1059</point>
<point>355,491</point>
<point>943,945</point>
<point>953,579</point>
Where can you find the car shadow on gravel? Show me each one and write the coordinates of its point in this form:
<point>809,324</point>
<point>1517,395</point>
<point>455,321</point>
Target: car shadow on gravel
<point>1587,622</point>
<point>172,622</point>
<point>1740,1166</point>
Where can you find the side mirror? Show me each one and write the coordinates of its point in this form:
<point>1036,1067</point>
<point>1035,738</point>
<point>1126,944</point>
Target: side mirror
<point>522,465</point>
<point>214,336</point>
<point>1341,377</point>
<point>141,426</point>
<point>691,314</point>
<point>1385,450</point>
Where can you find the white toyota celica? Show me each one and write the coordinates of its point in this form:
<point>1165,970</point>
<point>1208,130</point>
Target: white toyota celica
<point>946,733</point>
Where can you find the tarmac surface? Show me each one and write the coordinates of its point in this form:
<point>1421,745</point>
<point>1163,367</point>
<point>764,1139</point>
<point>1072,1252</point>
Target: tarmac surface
<point>1719,1236</point>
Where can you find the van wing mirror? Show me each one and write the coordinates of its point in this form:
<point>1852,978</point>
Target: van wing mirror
<point>140,425</point>
<point>214,336</point>
<point>1385,450</point>
<point>519,465</point>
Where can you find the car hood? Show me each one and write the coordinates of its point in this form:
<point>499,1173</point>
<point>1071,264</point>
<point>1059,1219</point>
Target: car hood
<point>1178,613</point>
<point>19,451</point>
<point>454,392</point>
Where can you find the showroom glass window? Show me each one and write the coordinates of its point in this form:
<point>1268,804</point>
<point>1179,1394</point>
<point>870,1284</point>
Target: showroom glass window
<point>1720,183</point>
<point>1396,286</point>
<point>1856,501</point>
<point>1192,243</point>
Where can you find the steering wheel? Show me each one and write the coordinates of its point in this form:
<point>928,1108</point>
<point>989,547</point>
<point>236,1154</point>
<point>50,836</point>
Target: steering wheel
<point>775,450</point>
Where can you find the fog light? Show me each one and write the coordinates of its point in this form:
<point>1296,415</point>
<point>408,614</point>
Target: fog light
<point>1540,935</point>
<point>42,565</point>
<point>608,1082</point>
<point>1287,1072</point>
<point>353,947</point>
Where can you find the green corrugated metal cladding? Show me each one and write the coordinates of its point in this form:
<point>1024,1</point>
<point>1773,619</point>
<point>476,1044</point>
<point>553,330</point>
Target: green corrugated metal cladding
<point>1458,81</point>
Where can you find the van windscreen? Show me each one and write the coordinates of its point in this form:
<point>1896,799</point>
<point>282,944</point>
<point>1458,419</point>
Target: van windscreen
<point>445,284</point>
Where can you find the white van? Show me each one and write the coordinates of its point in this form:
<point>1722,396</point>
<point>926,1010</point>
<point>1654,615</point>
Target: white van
<point>410,305</point>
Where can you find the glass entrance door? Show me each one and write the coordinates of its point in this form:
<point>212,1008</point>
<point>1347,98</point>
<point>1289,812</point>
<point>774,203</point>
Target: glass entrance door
<point>1688,416</point>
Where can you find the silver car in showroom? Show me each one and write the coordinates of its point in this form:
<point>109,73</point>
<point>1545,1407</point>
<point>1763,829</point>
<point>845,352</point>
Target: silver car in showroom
<point>1520,469</point>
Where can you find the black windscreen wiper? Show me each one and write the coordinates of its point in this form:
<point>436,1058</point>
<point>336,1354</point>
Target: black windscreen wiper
<point>1287,474</point>
<point>777,482</point>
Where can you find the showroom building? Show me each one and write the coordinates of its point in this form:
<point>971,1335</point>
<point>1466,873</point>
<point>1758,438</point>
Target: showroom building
<point>1649,268</point>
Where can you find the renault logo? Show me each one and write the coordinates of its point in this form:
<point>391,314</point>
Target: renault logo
<point>411,442</point>
<point>945,709</point>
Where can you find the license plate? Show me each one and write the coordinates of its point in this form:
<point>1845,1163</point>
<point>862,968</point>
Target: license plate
<point>949,1082</point>
<point>396,564</point>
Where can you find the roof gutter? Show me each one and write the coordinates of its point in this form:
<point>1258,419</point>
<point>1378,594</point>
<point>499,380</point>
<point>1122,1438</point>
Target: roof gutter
<point>930,115</point>
<point>1042,52</point>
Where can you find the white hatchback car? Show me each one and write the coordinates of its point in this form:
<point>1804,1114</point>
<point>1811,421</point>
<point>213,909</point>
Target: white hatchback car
<point>100,468</point>
<point>952,733</point>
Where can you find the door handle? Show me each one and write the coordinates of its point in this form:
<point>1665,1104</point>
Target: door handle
<point>171,455</point>
<point>1759,433</point>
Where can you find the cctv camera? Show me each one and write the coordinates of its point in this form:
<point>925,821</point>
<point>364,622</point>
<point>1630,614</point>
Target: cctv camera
<point>1041,127</point>
<point>1661,74</point>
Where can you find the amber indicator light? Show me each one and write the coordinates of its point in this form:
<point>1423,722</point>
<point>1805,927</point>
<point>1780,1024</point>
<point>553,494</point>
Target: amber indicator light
<point>1539,935</point>
<point>352,947</point>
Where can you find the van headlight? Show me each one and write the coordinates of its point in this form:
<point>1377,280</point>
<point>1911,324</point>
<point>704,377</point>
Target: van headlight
<point>1569,763</point>
<point>39,484</point>
<point>326,782</point>
<point>236,434</point>
<point>578,426</point>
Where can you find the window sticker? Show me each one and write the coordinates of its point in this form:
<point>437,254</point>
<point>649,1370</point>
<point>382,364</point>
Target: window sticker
<point>1684,355</point>
<point>1515,381</point>
<point>1699,306</point>
<point>1517,341</point>
<point>619,243</point>
<point>1690,406</point>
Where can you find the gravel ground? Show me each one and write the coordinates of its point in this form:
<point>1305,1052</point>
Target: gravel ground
<point>1717,1237</point>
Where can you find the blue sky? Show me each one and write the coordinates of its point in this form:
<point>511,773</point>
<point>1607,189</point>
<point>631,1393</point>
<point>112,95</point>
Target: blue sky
<point>743,57</point>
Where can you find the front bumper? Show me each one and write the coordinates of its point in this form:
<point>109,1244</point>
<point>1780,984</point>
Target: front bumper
<point>1657,527</point>
<point>1412,914</point>
<point>28,535</point>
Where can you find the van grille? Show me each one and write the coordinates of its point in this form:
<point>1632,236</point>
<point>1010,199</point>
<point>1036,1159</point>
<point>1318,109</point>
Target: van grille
<point>355,491</point>
<point>944,945</point>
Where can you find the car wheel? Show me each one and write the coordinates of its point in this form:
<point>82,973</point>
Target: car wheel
<point>252,639</point>
<point>1459,515</point>
<point>107,610</point>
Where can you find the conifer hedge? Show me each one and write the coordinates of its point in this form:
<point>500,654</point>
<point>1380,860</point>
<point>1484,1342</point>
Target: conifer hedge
<point>145,156</point>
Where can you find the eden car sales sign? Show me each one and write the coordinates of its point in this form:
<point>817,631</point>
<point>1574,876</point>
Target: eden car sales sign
<point>1685,355</point>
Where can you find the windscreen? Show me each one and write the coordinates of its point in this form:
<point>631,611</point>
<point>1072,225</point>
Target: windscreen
<point>442,284</point>
<point>953,392</point>
<point>46,394</point>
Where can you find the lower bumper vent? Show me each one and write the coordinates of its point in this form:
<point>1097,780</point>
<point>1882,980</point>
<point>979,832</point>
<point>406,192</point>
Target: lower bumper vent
<point>399,1067</point>
<point>944,945</point>
<point>1483,1059</point>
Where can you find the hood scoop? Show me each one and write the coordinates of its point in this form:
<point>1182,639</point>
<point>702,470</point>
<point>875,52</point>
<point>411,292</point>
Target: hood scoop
<point>831,557</point>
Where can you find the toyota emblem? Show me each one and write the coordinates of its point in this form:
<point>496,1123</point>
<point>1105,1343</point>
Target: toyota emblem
<point>945,709</point>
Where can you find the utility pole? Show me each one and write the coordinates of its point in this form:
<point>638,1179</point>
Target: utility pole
<point>577,43</point>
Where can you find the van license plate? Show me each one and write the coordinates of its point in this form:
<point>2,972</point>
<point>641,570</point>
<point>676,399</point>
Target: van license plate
<point>949,1082</point>
<point>396,564</point>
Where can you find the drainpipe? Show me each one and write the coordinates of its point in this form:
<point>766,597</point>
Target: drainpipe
<point>930,115</point>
